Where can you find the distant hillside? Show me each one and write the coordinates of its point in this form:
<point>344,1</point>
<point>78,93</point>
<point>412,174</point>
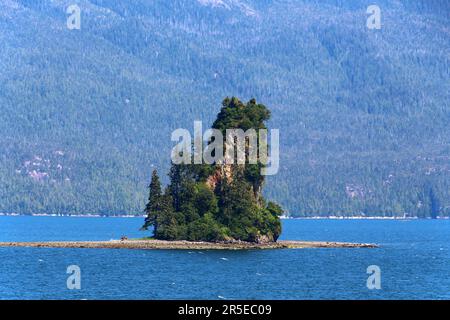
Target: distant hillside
<point>363,114</point>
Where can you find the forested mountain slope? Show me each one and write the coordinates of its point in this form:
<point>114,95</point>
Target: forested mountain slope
<point>363,114</point>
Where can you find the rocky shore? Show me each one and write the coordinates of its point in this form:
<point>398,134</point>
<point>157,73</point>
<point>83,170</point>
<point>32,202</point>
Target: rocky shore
<point>186,245</point>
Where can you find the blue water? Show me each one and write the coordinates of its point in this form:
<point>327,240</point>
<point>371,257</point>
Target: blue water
<point>414,259</point>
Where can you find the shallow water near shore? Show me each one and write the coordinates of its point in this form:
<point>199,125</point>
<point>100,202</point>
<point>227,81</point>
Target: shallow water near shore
<point>414,259</point>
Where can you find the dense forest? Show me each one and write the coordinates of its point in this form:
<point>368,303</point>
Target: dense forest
<point>363,114</point>
<point>221,200</point>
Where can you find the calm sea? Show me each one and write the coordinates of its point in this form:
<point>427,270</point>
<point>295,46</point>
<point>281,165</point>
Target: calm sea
<point>414,260</point>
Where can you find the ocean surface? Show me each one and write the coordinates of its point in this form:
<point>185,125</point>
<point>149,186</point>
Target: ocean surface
<point>414,260</point>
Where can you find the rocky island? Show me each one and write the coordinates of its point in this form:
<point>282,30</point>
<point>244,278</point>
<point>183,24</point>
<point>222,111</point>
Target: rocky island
<point>220,199</point>
<point>217,204</point>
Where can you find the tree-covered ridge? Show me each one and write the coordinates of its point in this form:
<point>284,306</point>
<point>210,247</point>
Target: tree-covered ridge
<point>363,113</point>
<point>219,201</point>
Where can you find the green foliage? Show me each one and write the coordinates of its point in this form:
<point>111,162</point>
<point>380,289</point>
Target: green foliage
<point>205,200</point>
<point>154,201</point>
<point>169,224</point>
<point>207,229</point>
<point>275,209</point>
<point>235,114</point>
<point>232,209</point>
<point>238,208</point>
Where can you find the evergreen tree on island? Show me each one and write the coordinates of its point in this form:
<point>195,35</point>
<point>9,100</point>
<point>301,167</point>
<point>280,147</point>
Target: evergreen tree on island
<point>154,204</point>
<point>219,201</point>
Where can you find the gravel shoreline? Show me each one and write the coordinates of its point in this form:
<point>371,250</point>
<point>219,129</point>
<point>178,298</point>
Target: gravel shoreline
<point>185,245</point>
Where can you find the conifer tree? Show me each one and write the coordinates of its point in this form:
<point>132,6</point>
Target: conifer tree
<point>154,202</point>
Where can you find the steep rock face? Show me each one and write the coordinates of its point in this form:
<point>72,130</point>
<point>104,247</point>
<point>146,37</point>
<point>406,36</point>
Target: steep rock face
<point>264,238</point>
<point>223,171</point>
